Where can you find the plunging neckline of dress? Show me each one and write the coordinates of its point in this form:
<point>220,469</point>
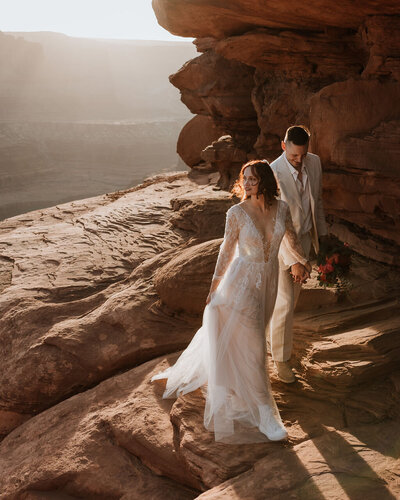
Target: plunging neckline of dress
<point>255,226</point>
<point>266,243</point>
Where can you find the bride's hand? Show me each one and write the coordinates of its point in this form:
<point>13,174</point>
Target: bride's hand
<point>300,273</point>
<point>308,266</point>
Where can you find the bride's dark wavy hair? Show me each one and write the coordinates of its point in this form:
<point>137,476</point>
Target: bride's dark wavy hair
<point>267,186</point>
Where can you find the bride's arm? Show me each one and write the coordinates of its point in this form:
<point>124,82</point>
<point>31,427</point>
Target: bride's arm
<point>226,251</point>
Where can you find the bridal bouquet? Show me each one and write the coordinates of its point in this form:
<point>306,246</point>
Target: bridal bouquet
<point>334,261</point>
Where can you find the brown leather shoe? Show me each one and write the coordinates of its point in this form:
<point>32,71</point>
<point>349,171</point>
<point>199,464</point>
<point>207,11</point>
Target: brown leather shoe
<point>285,372</point>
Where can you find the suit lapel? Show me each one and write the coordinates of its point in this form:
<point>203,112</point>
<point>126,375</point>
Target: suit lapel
<point>287,179</point>
<point>311,185</point>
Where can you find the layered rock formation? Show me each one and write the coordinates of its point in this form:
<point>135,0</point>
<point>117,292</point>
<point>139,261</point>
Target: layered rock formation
<point>100,294</point>
<point>266,65</point>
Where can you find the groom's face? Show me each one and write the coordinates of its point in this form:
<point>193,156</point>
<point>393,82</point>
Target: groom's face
<point>295,154</point>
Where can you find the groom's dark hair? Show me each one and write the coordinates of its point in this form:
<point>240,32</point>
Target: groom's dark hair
<point>298,135</point>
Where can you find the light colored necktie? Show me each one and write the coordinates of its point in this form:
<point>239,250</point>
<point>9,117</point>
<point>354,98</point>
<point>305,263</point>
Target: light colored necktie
<point>300,178</point>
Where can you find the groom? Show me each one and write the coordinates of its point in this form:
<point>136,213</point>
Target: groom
<point>299,176</point>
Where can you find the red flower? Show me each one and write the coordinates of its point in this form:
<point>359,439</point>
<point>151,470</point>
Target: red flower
<point>322,277</point>
<point>328,268</point>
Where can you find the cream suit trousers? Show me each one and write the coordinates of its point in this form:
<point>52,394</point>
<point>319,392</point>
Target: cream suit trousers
<point>280,328</point>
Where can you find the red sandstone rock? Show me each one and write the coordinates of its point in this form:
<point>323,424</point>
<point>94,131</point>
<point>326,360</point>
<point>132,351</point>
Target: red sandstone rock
<point>359,462</point>
<point>73,306</point>
<point>184,282</point>
<point>198,133</point>
<point>229,93</point>
<point>361,151</point>
<point>297,55</point>
<point>202,213</point>
<point>214,462</point>
<point>78,300</point>
<point>381,35</point>
<point>114,441</point>
<point>211,85</point>
<point>121,429</point>
<point>224,156</point>
<point>337,74</point>
<point>366,105</point>
<point>208,18</point>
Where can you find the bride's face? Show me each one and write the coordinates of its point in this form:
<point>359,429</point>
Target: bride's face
<point>250,182</point>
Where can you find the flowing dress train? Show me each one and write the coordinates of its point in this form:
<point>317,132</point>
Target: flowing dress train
<point>227,356</point>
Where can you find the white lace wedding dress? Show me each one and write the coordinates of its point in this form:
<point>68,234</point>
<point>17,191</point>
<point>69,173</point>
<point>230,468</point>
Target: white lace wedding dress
<point>227,355</point>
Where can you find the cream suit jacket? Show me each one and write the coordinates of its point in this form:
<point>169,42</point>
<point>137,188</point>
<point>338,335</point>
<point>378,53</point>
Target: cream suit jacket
<point>290,194</point>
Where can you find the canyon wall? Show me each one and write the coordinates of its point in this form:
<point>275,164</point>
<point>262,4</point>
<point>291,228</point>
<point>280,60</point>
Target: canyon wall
<point>98,295</point>
<point>268,65</point>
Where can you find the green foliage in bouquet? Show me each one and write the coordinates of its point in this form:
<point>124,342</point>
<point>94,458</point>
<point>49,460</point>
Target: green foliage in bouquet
<point>334,262</point>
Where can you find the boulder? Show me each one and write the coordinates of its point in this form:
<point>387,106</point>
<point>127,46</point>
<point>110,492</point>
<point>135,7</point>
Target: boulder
<point>76,298</point>
<point>213,86</point>
<point>202,213</point>
<point>197,134</point>
<point>227,158</point>
<point>113,441</point>
<point>184,282</point>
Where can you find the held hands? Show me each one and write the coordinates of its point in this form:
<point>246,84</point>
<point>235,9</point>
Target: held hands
<point>300,273</point>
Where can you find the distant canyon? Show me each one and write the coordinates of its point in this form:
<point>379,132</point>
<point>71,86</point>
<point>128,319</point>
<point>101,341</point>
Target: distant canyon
<point>82,117</point>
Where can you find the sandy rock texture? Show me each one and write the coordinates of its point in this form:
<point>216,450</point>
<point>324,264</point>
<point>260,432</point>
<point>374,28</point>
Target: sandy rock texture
<point>80,342</point>
<point>196,135</point>
<point>112,442</point>
<point>358,463</point>
<point>99,295</point>
<point>220,88</point>
<point>224,156</point>
<point>265,66</point>
<point>77,289</point>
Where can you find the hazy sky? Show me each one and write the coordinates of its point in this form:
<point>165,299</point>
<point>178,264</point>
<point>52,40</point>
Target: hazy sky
<point>129,19</point>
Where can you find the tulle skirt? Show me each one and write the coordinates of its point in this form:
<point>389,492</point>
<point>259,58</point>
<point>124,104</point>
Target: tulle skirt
<point>227,357</point>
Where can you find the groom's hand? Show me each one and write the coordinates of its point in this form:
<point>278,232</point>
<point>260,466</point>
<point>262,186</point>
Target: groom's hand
<point>299,273</point>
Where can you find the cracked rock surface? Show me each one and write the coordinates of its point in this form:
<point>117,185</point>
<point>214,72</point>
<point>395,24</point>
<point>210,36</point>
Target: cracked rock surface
<point>77,291</point>
<point>98,295</point>
<point>80,342</point>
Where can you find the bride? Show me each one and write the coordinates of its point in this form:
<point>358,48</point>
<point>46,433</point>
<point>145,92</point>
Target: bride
<point>228,353</point>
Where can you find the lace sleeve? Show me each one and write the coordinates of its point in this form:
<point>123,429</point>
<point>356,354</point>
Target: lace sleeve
<point>228,246</point>
<point>291,249</point>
